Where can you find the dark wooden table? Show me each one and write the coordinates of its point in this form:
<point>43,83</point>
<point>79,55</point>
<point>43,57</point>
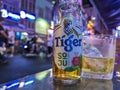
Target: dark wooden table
<point>44,81</point>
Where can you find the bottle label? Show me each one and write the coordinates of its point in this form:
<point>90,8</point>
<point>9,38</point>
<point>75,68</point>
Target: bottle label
<point>67,45</point>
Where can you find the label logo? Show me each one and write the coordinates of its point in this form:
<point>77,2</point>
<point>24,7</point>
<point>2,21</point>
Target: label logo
<point>67,42</point>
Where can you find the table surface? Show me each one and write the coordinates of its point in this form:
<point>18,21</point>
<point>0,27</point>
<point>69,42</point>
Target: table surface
<point>44,81</point>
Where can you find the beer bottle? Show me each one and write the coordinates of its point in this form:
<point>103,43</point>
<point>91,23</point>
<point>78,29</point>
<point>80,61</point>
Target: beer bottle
<point>67,38</point>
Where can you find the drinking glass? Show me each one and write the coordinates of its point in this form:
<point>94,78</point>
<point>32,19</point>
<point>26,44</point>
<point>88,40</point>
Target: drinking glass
<point>98,56</point>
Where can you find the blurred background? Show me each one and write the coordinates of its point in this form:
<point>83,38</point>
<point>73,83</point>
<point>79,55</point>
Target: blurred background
<point>30,17</point>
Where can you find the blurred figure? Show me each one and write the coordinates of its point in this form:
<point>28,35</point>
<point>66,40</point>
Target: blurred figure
<point>11,35</point>
<point>34,45</point>
<point>6,40</point>
<point>16,46</point>
<point>50,44</point>
<point>3,37</point>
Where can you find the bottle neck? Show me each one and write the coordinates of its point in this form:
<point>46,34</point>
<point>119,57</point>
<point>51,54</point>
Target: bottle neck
<point>69,9</point>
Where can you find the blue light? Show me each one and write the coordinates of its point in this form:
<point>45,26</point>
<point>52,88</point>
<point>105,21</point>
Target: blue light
<point>12,82</point>
<point>13,85</point>
<point>25,46</point>
<point>30,17</point>
<point>22,14</point>
<point>117,33</point>
<point>118,27</point>
<point>4,13</point>
<point>16,83</point>
<point>14,16</point>
<point>29,82</point>
<point>18,35</point>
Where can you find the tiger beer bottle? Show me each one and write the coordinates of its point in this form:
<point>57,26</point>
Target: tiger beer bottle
<point>67,43</point>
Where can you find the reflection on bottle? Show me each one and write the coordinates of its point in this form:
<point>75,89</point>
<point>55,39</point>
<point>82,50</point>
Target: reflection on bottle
<point>67,87</point>
<point>87,84</point>
<point>93,84</point>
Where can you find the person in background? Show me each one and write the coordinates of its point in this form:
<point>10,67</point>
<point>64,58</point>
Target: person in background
<point>3,37</point>
<point>16,46</point>
<point>50,44</point>
<point>11,35</point>
<point>33,48</point>
<point>6,40</point>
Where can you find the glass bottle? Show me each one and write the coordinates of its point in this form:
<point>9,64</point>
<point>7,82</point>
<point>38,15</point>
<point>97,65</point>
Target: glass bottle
<point>67,43</point>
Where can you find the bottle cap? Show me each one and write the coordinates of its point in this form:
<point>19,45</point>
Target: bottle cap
<point>68,5</point>
<point>67,1</point>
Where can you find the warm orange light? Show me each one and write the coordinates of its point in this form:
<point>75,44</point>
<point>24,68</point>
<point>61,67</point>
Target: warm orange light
<point>90,26</point>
